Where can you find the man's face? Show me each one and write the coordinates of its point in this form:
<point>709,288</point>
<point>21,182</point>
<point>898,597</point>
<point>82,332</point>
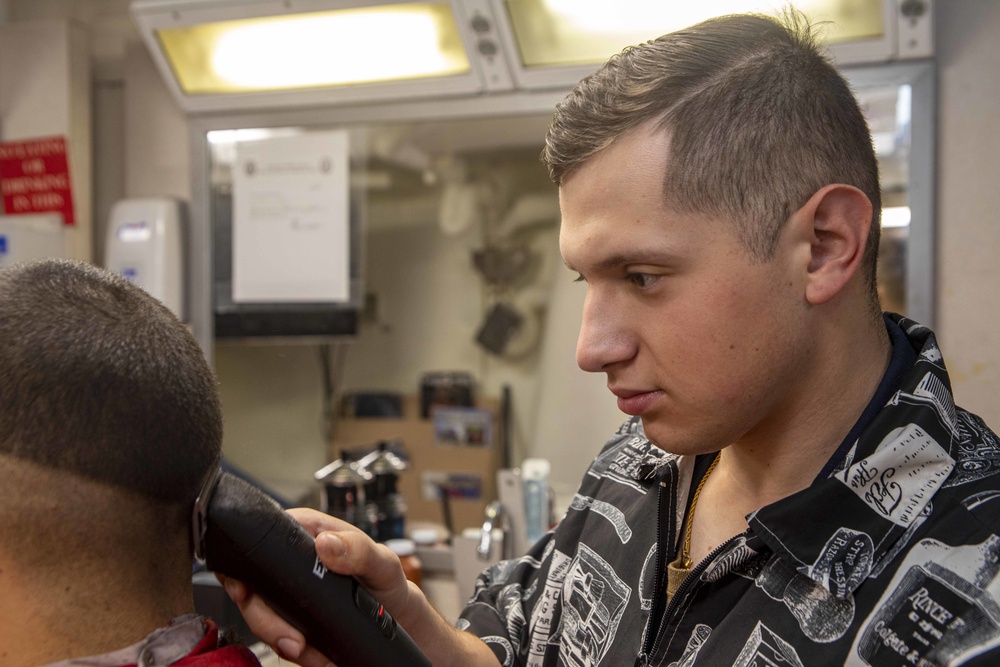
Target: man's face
<point>706,345</point>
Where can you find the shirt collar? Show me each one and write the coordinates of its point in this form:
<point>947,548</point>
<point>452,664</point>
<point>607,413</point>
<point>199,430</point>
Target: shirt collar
<point>846,526</point>
<point>900,362</point>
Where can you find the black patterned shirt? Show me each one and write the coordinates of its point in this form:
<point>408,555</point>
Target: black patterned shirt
<point>889,559</point>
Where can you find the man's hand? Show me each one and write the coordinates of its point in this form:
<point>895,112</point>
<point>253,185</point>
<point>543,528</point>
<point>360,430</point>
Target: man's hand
<point>344,549</point>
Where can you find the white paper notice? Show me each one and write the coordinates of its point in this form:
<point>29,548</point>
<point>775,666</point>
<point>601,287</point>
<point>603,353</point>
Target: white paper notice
<point>291,219</point>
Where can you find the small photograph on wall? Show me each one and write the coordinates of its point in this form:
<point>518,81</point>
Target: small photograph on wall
<point>463,427</point>
<point>457,485</point>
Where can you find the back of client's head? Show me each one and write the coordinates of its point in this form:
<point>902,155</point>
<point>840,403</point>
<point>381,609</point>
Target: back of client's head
<point>109,423</point>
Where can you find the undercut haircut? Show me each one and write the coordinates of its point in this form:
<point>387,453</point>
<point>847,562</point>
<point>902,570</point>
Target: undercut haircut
<point>758,119</point>
<point>99,379</point>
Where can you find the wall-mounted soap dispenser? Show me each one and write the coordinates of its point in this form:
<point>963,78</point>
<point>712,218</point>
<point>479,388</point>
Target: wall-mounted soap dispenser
<point>144,243</point>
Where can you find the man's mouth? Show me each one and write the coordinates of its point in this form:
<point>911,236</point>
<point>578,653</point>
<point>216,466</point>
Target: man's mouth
<point>635,402</point>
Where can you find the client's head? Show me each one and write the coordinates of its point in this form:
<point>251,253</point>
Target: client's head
<point>109,423</point>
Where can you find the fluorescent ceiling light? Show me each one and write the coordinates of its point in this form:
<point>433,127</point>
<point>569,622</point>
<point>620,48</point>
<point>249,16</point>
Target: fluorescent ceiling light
<point>224,55</point>
<point>316,49</point>
<point>564,32</point>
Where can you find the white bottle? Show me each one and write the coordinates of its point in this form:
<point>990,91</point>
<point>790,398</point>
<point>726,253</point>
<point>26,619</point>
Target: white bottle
<point>535,478</point>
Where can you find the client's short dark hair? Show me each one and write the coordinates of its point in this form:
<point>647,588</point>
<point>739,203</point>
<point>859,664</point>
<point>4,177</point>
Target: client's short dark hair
<point>99,379</point>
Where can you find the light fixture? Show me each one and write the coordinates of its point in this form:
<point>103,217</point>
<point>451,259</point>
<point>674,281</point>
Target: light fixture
<point>347,46</point>
<point>256,54</point>
<point>563,40</point>
<point>593,30</point>
<point>229,54</point>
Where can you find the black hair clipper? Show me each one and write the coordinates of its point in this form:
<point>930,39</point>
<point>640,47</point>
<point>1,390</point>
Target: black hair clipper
<point>241,532</point>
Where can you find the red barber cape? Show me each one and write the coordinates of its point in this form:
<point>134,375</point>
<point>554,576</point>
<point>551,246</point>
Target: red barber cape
<point>208,654</point>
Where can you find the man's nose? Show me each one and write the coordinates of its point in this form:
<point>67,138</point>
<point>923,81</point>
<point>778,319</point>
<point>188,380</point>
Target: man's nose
<point>604,339</point>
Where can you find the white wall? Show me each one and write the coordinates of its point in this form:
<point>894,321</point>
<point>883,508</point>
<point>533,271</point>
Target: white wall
<point>156,140</point>
<point>271,404</point>
<point>105,27</point>
<point>969,200</point>
<point>109,156</point>
<point>44,92</point>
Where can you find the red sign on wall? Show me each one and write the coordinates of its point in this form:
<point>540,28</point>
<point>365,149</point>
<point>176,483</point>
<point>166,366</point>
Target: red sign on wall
<point>34,177</point>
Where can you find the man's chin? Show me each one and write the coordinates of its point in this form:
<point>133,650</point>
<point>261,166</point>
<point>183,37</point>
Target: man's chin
<point>673,442</point>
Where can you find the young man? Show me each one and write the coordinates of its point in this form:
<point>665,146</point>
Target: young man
<point>796,485</point>
<point>109,423</point>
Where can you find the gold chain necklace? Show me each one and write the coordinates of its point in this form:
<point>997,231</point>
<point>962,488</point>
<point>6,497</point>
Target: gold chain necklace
<point>678,571</point>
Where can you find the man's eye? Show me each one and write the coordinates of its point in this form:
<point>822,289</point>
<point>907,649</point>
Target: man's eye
<point>579,278</point>
<point>641,279</point>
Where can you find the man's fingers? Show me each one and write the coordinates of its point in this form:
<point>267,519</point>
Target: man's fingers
<point>268,626</point>
<point>271,628</point>
<point>357,554</point>
<point>235,589</point>
<point>344,549</point>
<point>285,640</point>
<point>374,565</point>
<point>313,658</point>
<point>316,522</point>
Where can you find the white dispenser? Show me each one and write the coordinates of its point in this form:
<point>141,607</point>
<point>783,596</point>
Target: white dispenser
<point>26,237</point>
<point>144,244</point>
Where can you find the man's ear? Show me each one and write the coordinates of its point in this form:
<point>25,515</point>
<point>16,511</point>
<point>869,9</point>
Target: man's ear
<point>836,220</point>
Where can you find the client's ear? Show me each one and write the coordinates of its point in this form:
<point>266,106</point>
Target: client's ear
<point>839,217</point>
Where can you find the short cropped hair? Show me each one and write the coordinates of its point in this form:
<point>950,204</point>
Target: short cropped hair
<point>99,379</point>
<point>758,118</point>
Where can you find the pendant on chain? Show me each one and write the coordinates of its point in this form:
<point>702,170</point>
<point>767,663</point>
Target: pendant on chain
<point>677,572</point>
